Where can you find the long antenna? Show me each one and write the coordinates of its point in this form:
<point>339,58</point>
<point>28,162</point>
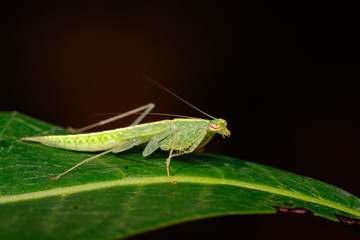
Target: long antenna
<point>157,114</point>
<point>181,99</point>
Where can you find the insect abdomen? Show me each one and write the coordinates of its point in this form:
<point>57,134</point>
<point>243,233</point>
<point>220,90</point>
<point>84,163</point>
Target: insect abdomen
<point>83,142</point>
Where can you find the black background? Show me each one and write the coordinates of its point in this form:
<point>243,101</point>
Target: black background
<point>284,76</point>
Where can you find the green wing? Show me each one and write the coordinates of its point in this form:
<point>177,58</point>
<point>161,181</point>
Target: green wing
<point>185,141</point>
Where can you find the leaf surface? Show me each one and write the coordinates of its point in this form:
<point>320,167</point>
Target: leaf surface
<point>119,195</point>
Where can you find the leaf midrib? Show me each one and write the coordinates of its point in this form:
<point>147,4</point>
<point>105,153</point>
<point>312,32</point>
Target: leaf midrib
<point>181,179</point>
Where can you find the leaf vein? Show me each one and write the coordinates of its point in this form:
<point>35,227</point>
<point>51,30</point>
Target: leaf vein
<point>123,175</point>
<point>131,201</point>
<point>50,224</point>
<point>184,179</point>
<point>7,124</point>
<point>29,125</point>
<point>212,166</point>
<point>270,174</point>
<point>203,196</point>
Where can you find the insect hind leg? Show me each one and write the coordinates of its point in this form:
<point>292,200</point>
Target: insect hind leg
<point>146,108</point>
<point>120,148</point>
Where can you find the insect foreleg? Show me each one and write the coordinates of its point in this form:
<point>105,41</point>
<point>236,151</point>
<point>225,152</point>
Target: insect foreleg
<point>188,148</point>
<point>193,145</point>
<point>147,108</point>
<point>189,145</point>
<point>122,147</point>
<point>154,143</point>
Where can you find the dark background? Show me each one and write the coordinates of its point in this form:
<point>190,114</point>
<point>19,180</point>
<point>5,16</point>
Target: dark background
<point>284,76</point>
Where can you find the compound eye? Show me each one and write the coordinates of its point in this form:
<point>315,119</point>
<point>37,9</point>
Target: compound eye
<point>214,126</point>
<point>224,121</point>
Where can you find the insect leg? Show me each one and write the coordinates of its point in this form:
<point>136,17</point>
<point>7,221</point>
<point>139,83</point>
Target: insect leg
<point>147,108</point>
<point>168,162</point>
<point>193,145</point>
<point>124,146</point>
<point>188,146</point>
<point>154,143</point>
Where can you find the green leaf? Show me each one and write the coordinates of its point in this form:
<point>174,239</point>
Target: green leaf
<point>119,195</point>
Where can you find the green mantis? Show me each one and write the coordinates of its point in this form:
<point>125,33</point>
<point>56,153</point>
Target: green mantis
<point>184,135</point>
